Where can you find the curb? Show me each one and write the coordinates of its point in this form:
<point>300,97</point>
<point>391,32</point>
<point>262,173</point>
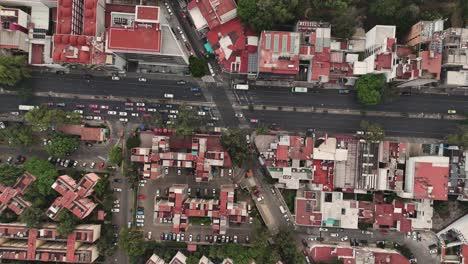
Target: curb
<point>345,111</point>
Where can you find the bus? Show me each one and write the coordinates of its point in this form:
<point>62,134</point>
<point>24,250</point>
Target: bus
<point>242,87</point>
<point>26,107</point>
<point>299,90</point>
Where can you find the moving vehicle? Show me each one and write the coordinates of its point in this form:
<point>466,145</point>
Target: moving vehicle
<point>452,111</point>
<point>142,79</point>
<point>168,95</point>
<point>115,78</point>
<point>201,113</point>
<point>195,89</point>
<point>241,87</point>
<point>282,209</point>
<point>299,90</point>
<point>27,107</point>
<point>211,70</point>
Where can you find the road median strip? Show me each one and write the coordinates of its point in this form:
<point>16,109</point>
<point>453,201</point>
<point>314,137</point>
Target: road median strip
<point>355,112</point>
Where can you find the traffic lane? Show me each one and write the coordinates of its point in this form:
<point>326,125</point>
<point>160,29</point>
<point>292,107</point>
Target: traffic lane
<point>349,124</point>
<point>327,98</point>
<point>107,87</point>
<point>223,105</point>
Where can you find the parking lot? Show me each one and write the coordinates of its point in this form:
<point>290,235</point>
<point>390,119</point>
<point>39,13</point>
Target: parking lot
<point>200,232</point>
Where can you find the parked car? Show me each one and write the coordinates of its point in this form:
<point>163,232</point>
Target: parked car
<point>117,190</point>
<point>142,79</point>
<point>123,119</point>
<point>115,210</point>
<point>111,112</point>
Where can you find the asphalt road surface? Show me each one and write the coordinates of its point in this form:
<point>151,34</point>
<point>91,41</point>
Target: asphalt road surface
<point>295,121</point>
<point>417,103</point>
<point>104,86</point>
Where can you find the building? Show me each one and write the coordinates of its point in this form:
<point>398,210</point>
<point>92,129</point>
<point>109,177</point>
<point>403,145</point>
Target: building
<point>12,197</point>
<point>205,260</point>
<point>155,259</point>
<point>317,208</point>
<point>349,255</point>
<point>80,33</point>
<point>179,208</point>
<point>141,36</point>
<point>17,242</point>
<point>208,14</point>
<point>426,178</point>
<point>96,134</point>
<point>14,30</point>
<point>74,196</point>
<point>202,153</point>
<point>380,52</point>
<point>287,158</point>
<point>179,258</point>
<point>403,217</point>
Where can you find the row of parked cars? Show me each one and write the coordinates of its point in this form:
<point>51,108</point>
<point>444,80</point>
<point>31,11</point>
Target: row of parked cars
<point>180,237</point>
<point>68,163</point>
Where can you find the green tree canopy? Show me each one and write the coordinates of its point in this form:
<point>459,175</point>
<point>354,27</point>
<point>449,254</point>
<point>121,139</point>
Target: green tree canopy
<point>115,156</point>
<point>460,137</point>
<point>197,66</point>
<point>32,217</point>
<point>67,222</point>
<point>9,174</point>
<point>62,145</point>
<point>133,142</point>
<point>43,118</point>
<point>236,145</point>
<point>12,69</point>
<point>18,135</point>
<point>373,131</point>
<point>385,10</point>
<point>186,123</point>
<point>369,88</point>
<point>45,173</point>
<point>132,242</point>
<point>265,14</point>
<point>155,120</point>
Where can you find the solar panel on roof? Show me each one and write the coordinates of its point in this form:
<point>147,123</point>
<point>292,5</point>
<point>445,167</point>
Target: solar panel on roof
<point>268,42</point>
<point>276,44</point>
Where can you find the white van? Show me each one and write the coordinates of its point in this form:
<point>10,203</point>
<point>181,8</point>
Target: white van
<point>282,209</point>
<point>168,95</point>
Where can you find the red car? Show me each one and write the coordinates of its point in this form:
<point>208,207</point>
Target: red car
<point>146,115</point>
<point>141,197</point>
<point>101,165</point>
<point>97,111</point>
<point>253,120</point>
<point>142,109</point>
<point>128,104</point>
<point>104,107</point>
<point>80,106</point>
<point>94,106</point>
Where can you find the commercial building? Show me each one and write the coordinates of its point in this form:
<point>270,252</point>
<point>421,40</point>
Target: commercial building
<point>96,134</point>
<point>12,197</point>
<point>349,255</point>
<point>74,196</point>
<point>18,242</point>
<point>180,208</point>
<point>201,153</point>
<point>155,259</point>
<point>208,14</point>
<point>14,30</point>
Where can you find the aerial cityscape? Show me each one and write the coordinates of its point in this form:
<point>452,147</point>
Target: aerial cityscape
<point>234,131</point>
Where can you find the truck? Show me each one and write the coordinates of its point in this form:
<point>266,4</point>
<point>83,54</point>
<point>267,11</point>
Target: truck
<point>282,209</point>
<point>299,90</point>
<point>241,87</point>
<point>26,107</point>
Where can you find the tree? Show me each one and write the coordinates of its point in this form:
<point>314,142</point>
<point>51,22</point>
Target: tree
<point>67,223</point>
<point>133,142</point>
<point>32,217</point>
<point>344,25</point>
<point>460,137</point>
<point>43,118</point>
<point>236,145</point>
<point>18,135</point>
<point>25,92</point>
<point>373,132</point>
<point>155,120</point>
<point>385,10</point>
<point>12,69</point>
<point>369,88</point>
<point>187,122</point>
<point>265,14</point>
<point>62,145</point>
<point>197,66</point>
<point>132,242</point>
<point>115,156</point>
<point>45,173</point>
<point>284,244</point>
<point>9,174</point>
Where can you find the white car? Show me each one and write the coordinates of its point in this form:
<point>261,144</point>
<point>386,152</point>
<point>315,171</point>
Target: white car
<point>115,78</point>
<point>116,201</point>
<point>116,205</point>
<point>140,104</point>
<point>345,238</point>
<point>111,112</point>
<point>172,116</point>
<point>78,111</point>
<point>152,110</point>
<point>140,217</point>
<point>123,119</point>
<point>215,118</point>
<point>239,115</point>
<point>115,210</point>
<point>166,170</point>
<point>174,111</point>
<point>142,79</point>
<point>123,114</point>
<point>334,235</point>
<point>135,114</point>
<point>323,229</point>
<point>92,165</point>
<point>201,113</point>
<point>140,220</point>
<point>157,193</point>
<point>97,118</point>
<point>117,190</point>
<point>168,95</point>
<point>179,171</point>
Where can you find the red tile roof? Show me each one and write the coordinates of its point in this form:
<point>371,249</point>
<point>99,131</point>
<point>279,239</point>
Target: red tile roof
<point>394,216</point>
<point>323,176</point>
<point>431,62</point>
<point>392,258</point>
<point>138,39</point>
<point>147,14</point>
<point>430,181</point>
<point>86,133</point>
<point>305,212</point>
